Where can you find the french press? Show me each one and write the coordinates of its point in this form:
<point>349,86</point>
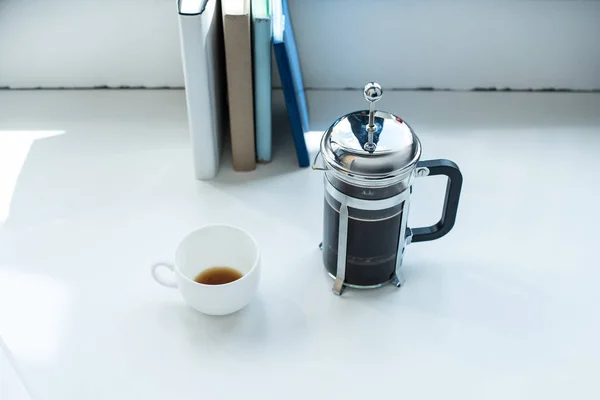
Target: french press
<point>371,159</point>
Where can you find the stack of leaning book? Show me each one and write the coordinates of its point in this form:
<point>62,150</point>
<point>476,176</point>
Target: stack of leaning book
<point>226,48</point>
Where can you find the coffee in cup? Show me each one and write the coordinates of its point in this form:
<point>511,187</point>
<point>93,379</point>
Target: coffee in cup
<point>218,276</point>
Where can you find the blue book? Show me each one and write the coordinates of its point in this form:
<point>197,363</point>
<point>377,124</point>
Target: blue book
<point>288,63</point>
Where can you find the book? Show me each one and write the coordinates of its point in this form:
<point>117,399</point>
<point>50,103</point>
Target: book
<point>261,39</point>
<point>290,73</point>
<point>238,60</point>
<point>201,42</point>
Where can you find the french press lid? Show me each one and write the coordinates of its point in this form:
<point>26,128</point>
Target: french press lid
<point>370,145</point>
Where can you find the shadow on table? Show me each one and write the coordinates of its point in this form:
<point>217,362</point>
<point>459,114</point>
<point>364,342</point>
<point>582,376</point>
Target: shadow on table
<point>284,159</point>
<point>262,324</point>
<point>474,295</point>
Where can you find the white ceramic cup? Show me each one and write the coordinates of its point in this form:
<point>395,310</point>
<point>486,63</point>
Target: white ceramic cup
<point>214,246</point>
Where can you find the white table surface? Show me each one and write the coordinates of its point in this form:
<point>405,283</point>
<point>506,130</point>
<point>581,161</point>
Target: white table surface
<point>11,385</point>
<point>504,307</point>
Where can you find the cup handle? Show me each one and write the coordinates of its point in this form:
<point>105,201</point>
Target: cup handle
<point>171,283</point>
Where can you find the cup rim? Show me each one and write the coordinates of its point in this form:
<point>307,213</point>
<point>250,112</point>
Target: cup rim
<point>204,227</point>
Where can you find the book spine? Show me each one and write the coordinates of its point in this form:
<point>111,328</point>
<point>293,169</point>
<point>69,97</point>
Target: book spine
<point>238,59</point>
<point>262,88</point>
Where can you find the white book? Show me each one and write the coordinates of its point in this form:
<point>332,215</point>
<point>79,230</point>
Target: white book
<point>201,38</point>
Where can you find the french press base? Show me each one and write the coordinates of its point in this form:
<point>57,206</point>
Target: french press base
<point>396,279</point>
<point>371,159</point>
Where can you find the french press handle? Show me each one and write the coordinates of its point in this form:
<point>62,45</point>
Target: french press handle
<point>453,188</point>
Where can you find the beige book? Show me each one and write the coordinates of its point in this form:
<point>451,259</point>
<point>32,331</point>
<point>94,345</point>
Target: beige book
<point>238,59</point>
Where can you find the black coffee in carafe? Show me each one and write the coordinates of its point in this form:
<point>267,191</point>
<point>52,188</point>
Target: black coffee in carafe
<point>371,242</point>
<point>371,159</point>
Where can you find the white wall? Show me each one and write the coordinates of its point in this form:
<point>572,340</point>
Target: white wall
<point>342,43</point>
<point>55,43</point>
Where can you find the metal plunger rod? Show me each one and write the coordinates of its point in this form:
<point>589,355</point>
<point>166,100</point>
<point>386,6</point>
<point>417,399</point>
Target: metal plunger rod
<point>373,93</point>
<point>371,127</point>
